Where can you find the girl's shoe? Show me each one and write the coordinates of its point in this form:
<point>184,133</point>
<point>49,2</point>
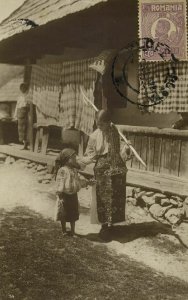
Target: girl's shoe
<point>72,234</point>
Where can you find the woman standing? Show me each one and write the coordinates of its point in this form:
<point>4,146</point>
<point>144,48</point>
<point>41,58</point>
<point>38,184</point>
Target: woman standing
<point>110,173</point>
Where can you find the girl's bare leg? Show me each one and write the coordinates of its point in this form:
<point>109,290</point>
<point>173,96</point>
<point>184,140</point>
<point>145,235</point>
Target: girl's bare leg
<point>72,224</point>
<point>63,226</point>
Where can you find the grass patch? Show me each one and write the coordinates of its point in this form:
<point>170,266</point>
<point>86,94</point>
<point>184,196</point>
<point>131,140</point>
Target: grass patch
<point>37,264</point>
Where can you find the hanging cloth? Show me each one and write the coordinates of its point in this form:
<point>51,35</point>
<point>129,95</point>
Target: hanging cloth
<point>45,88</point>
<point>74,112</point>
<point>157,76</point>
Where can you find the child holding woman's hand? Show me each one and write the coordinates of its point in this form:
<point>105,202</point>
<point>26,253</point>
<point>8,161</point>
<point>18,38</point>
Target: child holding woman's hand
<point>68,183</point>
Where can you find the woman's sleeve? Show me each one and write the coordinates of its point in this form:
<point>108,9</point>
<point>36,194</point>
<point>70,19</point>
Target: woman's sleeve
<point>91,147</point>
<point>89,155</point>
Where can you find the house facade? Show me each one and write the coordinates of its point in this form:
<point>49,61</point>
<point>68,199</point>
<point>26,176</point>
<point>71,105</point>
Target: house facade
<point>63,32</point>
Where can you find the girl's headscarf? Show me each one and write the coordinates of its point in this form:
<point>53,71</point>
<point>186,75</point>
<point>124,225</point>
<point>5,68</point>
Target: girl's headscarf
<point>62,158</point>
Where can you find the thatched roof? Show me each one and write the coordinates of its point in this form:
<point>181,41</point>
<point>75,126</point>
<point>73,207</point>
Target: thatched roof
<point>42,12</point>
<point>75,24</point>
<point>11,90</point>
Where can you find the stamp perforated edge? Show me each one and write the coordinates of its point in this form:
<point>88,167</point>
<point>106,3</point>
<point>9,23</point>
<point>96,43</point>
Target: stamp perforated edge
<point>140,2</point>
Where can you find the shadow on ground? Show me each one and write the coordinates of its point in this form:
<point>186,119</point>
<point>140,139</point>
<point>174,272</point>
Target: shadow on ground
<point>128,233</point>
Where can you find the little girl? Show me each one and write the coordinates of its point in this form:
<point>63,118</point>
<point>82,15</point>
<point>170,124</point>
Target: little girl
<point>68,183</point>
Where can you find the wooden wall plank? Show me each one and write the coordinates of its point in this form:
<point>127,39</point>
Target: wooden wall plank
<point>143,153</point>
<point>137,146</point>
<point>150,154</point>
<point>157,153</point>
<point>128,163</point>
<point>132,140</point>
<point>166,156</point>
<point>175,156</point>
<point>183,172</point>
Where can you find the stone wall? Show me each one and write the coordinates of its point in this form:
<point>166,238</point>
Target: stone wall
<point>165,208</point>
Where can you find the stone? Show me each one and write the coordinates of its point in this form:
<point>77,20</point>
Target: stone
<point>45,181</point>
<point>148,200</point>
<point>9,160</point>
<point>165,202</point>
<point>42,171</point>
<point>177,198</point>
<point>21,162</point>
<point>34,166</point>
<point>175,215</point>
<point>50,169</point>
<point>167,208</point>
<point>41,168</point>
<point>3,157</point>
<point>140,194</point>
<point>149,193</point>
<point>25,161</point>
<point>136,191</point>
<point>156,210</point>
<point>129,191</point>
<point>186,200</point>
<point>132,200</point>
<point>29,166</point>
<point>185,206</point>
<point>174,202</point>
<point>48,176</point>
<point>180,204</point>
<point>158,196</point>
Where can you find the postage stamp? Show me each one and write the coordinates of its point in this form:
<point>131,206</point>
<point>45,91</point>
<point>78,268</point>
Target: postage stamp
<point>164,21</point>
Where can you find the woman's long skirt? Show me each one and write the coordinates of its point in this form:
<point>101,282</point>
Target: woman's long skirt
<point>22,115</point>
<point>110,191</point>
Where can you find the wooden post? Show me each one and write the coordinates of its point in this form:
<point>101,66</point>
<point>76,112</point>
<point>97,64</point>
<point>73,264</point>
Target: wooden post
<point>31,138</point>
<point>27,77</point>
<point>1,134</point>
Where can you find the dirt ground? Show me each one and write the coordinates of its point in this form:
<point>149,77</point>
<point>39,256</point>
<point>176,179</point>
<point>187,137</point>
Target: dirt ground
<point>141,238</point>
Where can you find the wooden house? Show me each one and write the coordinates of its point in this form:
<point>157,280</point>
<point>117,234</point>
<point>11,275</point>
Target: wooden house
<point>69,30</point>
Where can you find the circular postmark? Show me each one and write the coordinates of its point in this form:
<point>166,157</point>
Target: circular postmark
<point>155,92</point>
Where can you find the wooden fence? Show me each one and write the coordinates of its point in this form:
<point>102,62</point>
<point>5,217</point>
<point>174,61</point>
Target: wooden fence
<point>164,151</point>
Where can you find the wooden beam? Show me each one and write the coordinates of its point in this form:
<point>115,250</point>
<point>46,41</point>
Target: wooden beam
<point>26,154</point>
<point>158,182</point>
<point>154,131</point>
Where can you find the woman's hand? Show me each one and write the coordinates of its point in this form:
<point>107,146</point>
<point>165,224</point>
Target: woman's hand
<point>91,182</point>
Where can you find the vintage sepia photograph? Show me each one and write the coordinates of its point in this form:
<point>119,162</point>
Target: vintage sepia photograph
<point>93,150</point>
